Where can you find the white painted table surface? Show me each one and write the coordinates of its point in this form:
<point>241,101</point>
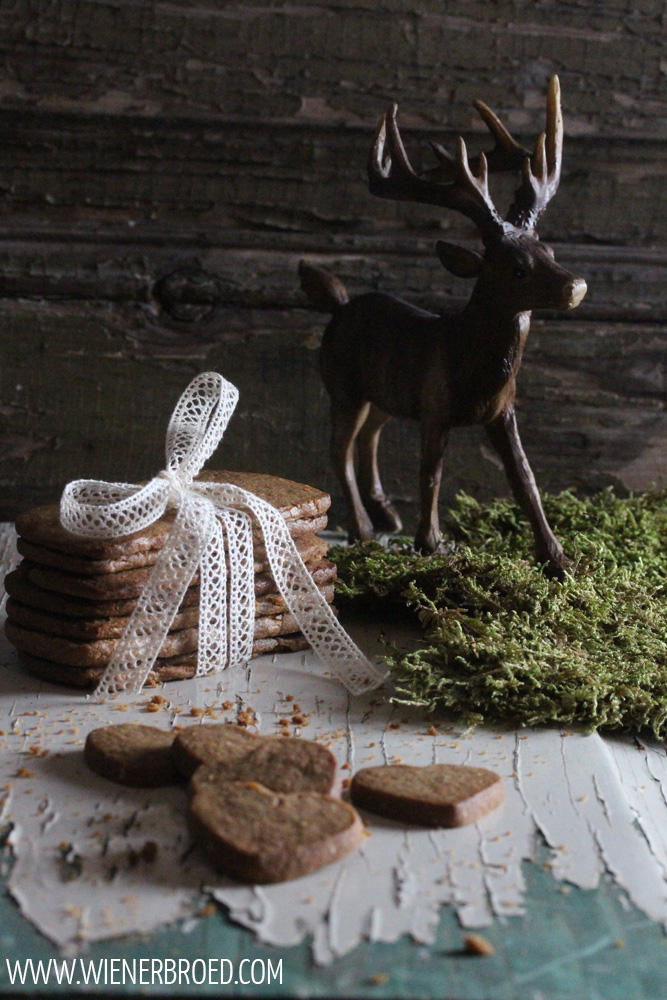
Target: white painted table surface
<point>599,804</point>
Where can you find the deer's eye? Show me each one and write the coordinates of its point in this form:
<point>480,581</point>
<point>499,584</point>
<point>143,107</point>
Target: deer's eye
<point>519,272</point>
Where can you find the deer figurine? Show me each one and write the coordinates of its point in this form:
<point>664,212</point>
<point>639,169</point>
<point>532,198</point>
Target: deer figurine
<point>382,357</point>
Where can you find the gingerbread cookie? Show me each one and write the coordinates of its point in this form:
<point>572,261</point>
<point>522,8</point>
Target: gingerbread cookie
<point>283,765</point>
<point>132,754</point>
<point>259,836</point>
<point>435,795</point>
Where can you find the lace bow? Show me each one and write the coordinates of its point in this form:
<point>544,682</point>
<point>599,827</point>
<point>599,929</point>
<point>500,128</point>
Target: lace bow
<point>212,528</point>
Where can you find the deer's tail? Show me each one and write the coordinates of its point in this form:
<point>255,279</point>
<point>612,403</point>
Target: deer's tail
<point>325,291</point>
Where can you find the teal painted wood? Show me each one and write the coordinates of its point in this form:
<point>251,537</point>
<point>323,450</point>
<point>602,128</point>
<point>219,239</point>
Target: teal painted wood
<point>570,945</point>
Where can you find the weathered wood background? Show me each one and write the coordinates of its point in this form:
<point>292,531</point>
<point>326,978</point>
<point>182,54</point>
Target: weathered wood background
<point>163,167</point>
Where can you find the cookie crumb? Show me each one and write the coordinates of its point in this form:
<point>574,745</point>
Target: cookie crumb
<point>246,717</point>
<point>378,978</point>
<point>477,944</point>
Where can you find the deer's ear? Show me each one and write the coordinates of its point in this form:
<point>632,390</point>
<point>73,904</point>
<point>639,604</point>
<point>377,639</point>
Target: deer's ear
<point>462,263</point>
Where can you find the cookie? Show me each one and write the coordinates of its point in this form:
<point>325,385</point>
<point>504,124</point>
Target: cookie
<point>310,547</point>
<point>223,743</point>
<point>292,643</point>
<point>41,526</point>
<point>171,669</point>
<point>321,571</point>
<point>84,629</point>
<point>18,585</point>
<point>435,795</point>
<point>292,500</point>
<point>42,556</point>
<point>295,501</point>
<point>90,629</point>
<point>274,625</point>
<point>132,754</point>
<point>98,651</point>
<point>82,565</point>
<point>129,583</point>
<point>273,604</point>
<point>283,765</point>
<point>174,668</point>
<point>259,836</point>
<point>89,654</point>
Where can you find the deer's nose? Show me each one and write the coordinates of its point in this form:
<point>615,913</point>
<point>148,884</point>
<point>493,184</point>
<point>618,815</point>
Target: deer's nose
<point>574,292</point>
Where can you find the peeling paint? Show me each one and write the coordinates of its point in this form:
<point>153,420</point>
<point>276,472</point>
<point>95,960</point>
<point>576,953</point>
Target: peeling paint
<point>599,804</point>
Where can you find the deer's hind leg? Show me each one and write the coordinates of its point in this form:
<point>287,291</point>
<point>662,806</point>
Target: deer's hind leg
<point>347,418</point>
<point>377,503</point>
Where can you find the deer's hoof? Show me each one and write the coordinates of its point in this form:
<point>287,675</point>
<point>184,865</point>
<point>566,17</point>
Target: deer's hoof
<point>432,544</point>
<point>383,515</point>
<point>556,565</point>
<point>361,532</point>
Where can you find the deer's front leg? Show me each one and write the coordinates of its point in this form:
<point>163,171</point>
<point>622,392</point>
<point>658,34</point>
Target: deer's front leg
<point>504,435</point>
<point>433,443</point>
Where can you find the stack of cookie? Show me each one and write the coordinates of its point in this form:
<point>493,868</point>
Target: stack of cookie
<point>70,598</point>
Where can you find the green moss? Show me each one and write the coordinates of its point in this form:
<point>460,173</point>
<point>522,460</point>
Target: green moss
<point>504,643</point>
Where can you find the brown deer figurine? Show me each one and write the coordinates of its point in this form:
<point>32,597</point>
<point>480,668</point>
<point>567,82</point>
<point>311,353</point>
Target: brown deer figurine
<point>382,357</point>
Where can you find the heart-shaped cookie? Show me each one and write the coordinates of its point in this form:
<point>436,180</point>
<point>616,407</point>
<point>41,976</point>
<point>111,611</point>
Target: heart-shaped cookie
<point>212,744</point>
<point>256,835</point>
<point>435,795</point>
<point>132,754</point>
<point>283,765</point>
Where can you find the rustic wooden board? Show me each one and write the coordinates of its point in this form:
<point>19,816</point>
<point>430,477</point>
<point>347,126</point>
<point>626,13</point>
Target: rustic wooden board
<point>88,388</point>
<point>291,175</point>
<point>334,61</point>
<point>163,167</point>
<point>187,273</point>
<point>260,115</point>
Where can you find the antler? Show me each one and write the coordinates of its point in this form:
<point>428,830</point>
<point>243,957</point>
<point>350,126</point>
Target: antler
<point>390,175</point>
<point>507,153</point>
<point>541,172</point>
<point>462,184</point>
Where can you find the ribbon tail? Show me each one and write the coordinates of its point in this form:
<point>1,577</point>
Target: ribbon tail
<point>238,527</point>
<point>326,635</point>
<point>138,647</point>
<point>213,636</point>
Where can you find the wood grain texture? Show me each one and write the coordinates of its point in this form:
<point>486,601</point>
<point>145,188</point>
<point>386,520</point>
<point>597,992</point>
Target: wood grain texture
<point>300,176</point>
<point>335,61</point>
<point>88,388</point>
<point>164,166</point>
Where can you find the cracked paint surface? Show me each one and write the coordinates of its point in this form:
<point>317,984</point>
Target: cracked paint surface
<point>83,871</point>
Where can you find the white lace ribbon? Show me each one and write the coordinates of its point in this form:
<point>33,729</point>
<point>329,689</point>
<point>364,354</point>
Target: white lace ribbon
<point>212,529</point>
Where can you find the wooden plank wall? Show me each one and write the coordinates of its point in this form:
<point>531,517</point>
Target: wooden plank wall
<point>164,166</point>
